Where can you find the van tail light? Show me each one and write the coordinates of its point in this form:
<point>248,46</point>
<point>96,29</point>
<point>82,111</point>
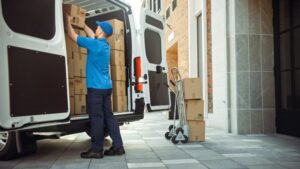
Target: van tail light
<point>138,75</point>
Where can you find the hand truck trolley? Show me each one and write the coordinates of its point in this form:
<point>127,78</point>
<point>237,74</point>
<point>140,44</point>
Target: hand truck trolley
<point>178,132</point>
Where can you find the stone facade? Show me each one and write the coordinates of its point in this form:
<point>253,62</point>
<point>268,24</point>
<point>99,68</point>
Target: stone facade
<point>251,66</point>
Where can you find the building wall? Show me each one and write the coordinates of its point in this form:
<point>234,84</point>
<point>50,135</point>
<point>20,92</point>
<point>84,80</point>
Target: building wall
<point>178,28</point>
<point>251,60</point>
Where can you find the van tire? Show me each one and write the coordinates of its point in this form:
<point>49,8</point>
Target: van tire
<point>9,151</point>
<point>29,144</point>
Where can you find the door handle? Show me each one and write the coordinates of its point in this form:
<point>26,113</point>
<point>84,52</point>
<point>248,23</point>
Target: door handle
<point>160,69</point>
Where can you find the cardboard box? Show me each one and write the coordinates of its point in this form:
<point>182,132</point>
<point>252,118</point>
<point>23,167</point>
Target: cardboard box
<point>71,67</point>
<point>194,109</point>
<point>80,104</point>
<point>118,26</point>
<point>192,88</point>
<point>117,58</point>
<point>72,105</point>
<point>116,42</point>
<point>196,130</point>
<point>119,103</point>
<point>81,33</point>
<point>118,73</point>
<point>71,46</point>
<point>77,14</point>
<point>80,86</point>
<point>79,64</point>
<point>119,88</point>
<point>71,87</point>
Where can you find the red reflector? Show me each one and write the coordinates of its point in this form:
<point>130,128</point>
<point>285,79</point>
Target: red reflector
<point>138,74</point>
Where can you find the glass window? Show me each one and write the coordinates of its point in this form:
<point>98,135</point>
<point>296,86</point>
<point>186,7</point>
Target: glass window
<point>285,54</point>
<point>31,17</point>
<point>284,14</point>
<point>174,4</point>
<point>296,13</point>
<point>153,46</point>
<point>168,13</point>
<point>296,38</point>
<point>199,32</point>
<point>158,5</point>
<point>154,5</point>
<point>286,91</point>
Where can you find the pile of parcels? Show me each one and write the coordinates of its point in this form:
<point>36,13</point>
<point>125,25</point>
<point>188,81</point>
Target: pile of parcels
<point>77,57</point>
<point>194,108</point>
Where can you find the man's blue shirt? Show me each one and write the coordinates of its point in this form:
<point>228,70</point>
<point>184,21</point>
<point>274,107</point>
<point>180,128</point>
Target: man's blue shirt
<point>98,59</point>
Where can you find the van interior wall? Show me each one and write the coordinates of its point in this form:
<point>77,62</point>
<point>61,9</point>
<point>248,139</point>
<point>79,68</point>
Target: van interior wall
<point>120,15</point>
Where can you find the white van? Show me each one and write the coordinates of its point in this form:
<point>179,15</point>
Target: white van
<point>34,95</point>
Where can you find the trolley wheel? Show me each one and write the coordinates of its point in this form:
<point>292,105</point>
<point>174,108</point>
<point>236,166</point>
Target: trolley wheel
<point>171,127</point>
<point>174,141</point>
<point>179,130</point>
<point>186,139</point>
<point>167,135</point>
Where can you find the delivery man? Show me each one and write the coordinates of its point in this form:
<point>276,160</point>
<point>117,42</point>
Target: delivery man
<point>99,86</point>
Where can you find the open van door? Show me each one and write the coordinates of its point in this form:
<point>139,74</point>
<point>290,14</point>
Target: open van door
<point>33,64</point>
<point>154,61</point>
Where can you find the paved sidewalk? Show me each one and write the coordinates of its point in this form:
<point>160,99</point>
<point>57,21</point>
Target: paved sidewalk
<point>146,147</point>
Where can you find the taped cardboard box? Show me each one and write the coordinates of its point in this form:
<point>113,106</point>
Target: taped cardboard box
<point>194,109</point>
<point>77,14</point>
<point>72,105</point>
<point>192,88</point>
<point>117,58</point>
<point>116,42</point>
<point>71,67</point>
<point>80,86</point>
<point>196,130</point>
<point>120,103</point>
<point>71,87</point>
<point>71,46</point>
<point>118,73</point>
<point>81,33</point>
<point>119,88</point>
<point>80,104</point>
<point>118,26</point>
<point>79,64</point>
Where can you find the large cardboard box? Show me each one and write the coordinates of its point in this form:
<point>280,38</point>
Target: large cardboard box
<point>119,103</point>
<point>196,130</point>
<point>119,88</point>
<point>77,14</point>
<point>72,105</point>
<point>71,87</point>
<point>71,67</point>
<point>118,73</point>
<point>80,104</point>
<point>194,109</point>
<point>79,64</point>
<point>71,46</point>
<point>116,42</point>
<point>192,88</point>
<point>118,26</point>
<point>81,33</point>
<point>117,57</point>
<point>80,86</point>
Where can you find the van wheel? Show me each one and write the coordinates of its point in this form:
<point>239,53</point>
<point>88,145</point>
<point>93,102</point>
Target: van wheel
<point>8,146</point>
<point>29,144</point>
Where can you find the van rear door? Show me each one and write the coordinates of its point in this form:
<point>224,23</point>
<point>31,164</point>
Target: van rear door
<point>33,64</point>
<point>154,61</point>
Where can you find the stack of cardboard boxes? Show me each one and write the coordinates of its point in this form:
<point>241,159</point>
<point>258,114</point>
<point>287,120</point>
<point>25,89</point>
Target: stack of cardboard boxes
<point>118,69</point>
<point>194,107</point>
<point>76,62</point>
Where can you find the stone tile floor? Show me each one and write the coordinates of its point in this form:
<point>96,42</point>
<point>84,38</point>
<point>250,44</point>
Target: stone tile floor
<point>146,147</point>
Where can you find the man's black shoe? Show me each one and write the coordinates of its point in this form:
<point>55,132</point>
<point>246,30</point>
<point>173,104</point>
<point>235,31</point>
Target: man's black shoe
<point>91,154</point>
<point>113,152</point>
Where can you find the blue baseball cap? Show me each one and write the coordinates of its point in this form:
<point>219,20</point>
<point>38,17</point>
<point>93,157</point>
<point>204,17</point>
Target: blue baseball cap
<point>106,27</point>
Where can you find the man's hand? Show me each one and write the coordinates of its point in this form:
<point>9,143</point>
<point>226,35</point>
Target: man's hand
<point>70,29</point>
<point>67,19</point>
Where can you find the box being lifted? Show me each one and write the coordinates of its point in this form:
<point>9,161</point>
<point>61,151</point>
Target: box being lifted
<point>77,14</point>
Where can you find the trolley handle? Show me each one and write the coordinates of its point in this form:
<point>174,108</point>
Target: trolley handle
<point>175,74</point>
